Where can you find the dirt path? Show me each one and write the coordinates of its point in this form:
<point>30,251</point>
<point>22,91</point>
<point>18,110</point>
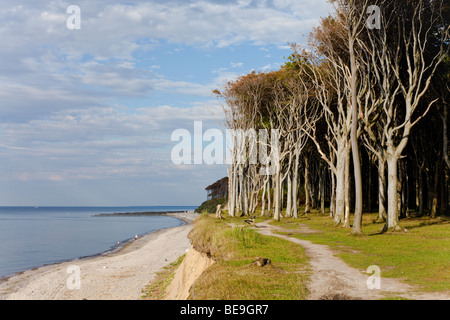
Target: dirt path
<point>333,279</point>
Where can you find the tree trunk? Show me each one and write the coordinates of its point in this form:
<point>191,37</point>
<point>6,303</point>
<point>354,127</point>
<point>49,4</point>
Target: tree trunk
<point>240,204</point>
<point>406,191</point>
<point>281,194</point>
<point>333,195</point>
<point>444,189</point>
<point>445,135</point>
<point>416,183</point>
<point>357,222</point>
<point>255,200</point>
<point>307,196</point>
<point>340,187</point>
<point>289,197</point>
<point>323,175</point>
<point>245,194</point>
<point>263,200</point>
<point>421,198</point>
<point>435,189</point>
<point>400,206</point>
<point>381,190</point>
<point>219,211</point>
<point>295,187</point>
<point>347,191</point>
<point>276,197</point>
<point>232,192</point>
<point>269,195</point>
<point>392,223</point>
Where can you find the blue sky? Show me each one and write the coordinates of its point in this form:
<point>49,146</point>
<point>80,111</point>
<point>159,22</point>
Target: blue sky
<point>86,115</point>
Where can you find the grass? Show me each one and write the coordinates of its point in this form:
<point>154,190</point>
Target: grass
<point>157,288</point>
<point>420,256</point>
<point>234,276</point>
<point>210,206</point>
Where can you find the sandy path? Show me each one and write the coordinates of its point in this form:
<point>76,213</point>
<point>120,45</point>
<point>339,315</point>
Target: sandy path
<point>334,279</point>
<point>119,276</point>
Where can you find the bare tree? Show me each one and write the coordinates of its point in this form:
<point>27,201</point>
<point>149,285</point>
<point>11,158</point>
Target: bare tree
<point>408,66</point>
<point>354,15</point>
<point>242,98</point>
<point>328,80</point>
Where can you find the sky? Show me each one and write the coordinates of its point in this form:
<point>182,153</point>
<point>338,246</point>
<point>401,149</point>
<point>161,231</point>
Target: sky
<point>87,114</point>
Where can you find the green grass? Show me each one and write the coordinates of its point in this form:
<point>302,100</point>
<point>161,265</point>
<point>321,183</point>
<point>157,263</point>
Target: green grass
<point>234,276</point>
<point>210,206</point>
<point>157,288</point>
<point>420,256</point>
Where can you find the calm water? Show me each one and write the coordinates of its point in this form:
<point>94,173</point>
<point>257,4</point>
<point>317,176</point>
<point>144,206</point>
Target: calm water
<point>32,237</point>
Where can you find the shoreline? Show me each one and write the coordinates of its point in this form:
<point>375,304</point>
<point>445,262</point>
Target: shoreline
<point>114,249</point>
<point>121,274</point>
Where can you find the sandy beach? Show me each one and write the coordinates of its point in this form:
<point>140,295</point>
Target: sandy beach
<point>119,276</point>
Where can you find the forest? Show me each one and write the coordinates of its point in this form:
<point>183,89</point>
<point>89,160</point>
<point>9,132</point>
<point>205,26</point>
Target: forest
<point>361,116</point>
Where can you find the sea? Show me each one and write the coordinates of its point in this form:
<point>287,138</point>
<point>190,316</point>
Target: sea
<point>32,237</point>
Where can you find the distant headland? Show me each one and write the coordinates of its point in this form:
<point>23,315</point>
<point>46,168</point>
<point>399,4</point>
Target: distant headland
<point>137,214</point>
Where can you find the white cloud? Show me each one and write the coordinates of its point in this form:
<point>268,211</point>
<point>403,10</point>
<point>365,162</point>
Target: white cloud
<point>97,143</point>
<point>112,30</point>
<point>47,60</point>
<point>71,104</point>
